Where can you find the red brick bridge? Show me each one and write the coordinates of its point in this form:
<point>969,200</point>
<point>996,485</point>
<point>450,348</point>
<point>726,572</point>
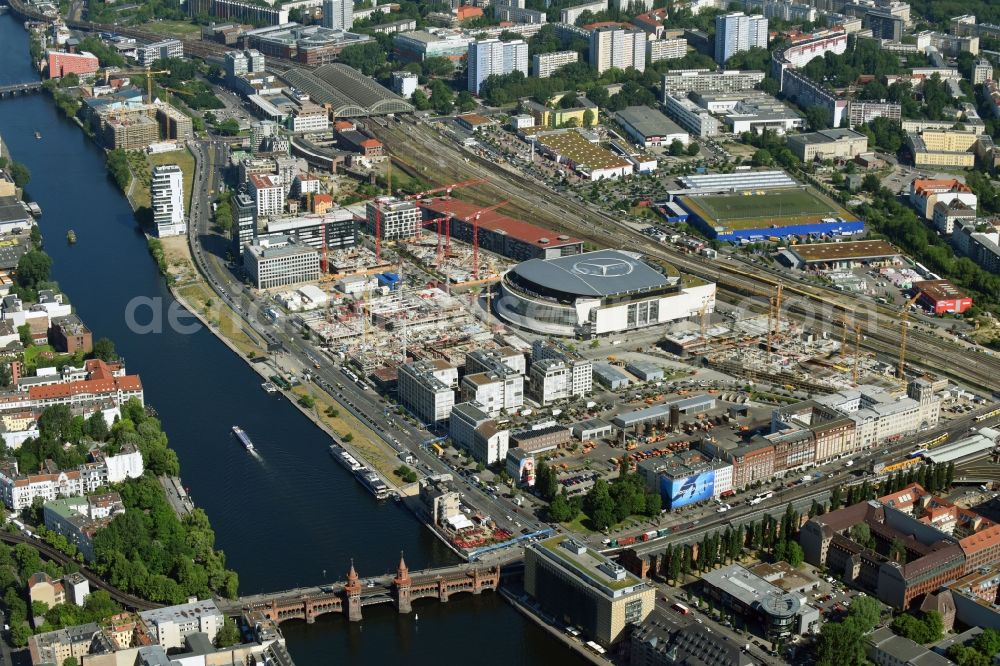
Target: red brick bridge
<point>348,598</point>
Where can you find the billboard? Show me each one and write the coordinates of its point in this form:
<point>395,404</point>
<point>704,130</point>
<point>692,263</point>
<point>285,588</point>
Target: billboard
<point>686,490</point>
<point>524,471</point>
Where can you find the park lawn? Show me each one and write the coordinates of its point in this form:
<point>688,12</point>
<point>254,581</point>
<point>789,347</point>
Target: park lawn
<point>375,452</point>
<point>197,295</point>
<point>179,29</point>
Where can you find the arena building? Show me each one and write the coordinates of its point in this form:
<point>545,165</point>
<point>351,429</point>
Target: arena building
<point>598,293</point>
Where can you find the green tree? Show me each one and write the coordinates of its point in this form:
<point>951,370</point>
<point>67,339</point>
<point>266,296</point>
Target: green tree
<point>988,642</point>
<point>104,349</point>
<point>33,269</point>
<point>693,149</point>
<point>368,57</point>
<point>794,554</point>
<point>465,101</point>
<point>862,534</point>
<point>70,661</point>
<point>588,117</point>
<point>19,634</point>
<point>562,510</point>
<point>835,498</point>
<point>840,644</point>
<point>676,148</point>
<point>866,611</point>
<point>897,551</point>
<point>420,101</point>
<point>228,634</point>
<point>762,157</point>
<point>19,174</point>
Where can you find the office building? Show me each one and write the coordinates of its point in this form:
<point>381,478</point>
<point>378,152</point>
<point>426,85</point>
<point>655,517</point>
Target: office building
<point>390,218</point>
<point>69,335</point>
<point>338,14</point>
<point>167,48</point>
<point>79,518</point>
<point>427,389</point>
<point>664,639</point>
<point>982,72</point>
<point>171,625</point>
<point>828,144</point>
<point>613,46</point>
<point>335,227</point>
<point>684,81</point>
<point>931,558</point>
<point>418,45</point>
<point>952,148</point>
<point>580,587</point>
<point>737,32</point>
<point>404,84</point>
<point>167,200</point>
<point>581,371</point>
<point>691,117</point>
<point>471,428</point>
<point>280,262</point>
<point>174,124</point>
<point>239,10</point>
<point>515,12</point>
<point>244,226</point>
<point>544,65</point>
<point>491,56</point>
<point>781,613</point>
<point>238,63</point>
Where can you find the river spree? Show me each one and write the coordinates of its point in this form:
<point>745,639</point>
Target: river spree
<point>290,517</point>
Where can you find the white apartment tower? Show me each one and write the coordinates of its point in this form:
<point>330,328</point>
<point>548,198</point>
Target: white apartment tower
<point>338,14</point>
<point>615,47</point>
<point>491,56</point>
<point>167,200</point>
<point>737,32</point>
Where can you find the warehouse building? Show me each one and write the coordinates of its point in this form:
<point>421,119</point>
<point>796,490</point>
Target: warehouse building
<point>941,297</point>
<point>845,254</point>
<point>586,157</point>
<point>648,127</point>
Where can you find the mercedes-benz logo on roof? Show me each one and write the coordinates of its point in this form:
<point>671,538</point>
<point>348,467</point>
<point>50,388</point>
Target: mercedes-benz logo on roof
<point>603,267</point>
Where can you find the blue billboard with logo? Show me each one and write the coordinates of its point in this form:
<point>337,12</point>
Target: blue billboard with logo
<point>682,491</point>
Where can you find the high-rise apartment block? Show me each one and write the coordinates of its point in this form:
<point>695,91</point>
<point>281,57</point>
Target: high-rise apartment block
<point>737,32</point>
<point>491,56</point>
<point>167,200</point>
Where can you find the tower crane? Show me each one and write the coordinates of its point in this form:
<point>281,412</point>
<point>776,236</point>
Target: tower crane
<point>857,352</point>
<point>147,71</point>
<point>474,218</point>
<point>904,323</point>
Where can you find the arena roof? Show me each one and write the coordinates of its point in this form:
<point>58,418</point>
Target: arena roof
<point>347,90</point>
<point>598,274</point>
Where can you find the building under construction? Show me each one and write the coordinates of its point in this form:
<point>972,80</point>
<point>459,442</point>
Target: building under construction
<point>498,233</point>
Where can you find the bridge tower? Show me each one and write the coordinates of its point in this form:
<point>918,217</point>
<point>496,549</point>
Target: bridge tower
<point>402,583</point>
<point>353,593</point>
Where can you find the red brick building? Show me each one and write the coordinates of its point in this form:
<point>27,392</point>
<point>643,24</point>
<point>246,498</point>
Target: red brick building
<point>60,63</point>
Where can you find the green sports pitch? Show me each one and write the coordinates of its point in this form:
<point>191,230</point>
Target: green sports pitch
<point>764,208</point>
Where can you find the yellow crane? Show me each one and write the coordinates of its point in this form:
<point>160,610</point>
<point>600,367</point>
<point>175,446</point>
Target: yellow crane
<point>857,351</point>
<point>147,71</point>
<point>904,323</point>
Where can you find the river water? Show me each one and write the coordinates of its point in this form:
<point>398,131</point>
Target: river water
<point>290,517</point>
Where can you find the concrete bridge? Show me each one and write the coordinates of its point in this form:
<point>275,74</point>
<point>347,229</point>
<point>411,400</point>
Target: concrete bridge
<point>20,89</point>
<point>348,598</point>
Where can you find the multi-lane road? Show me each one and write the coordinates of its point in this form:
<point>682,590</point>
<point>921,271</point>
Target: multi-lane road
<point>363,403</point>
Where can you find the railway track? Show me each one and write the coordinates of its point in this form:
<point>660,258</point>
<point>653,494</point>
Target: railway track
<point>816,306</point>
<point>129,601</point>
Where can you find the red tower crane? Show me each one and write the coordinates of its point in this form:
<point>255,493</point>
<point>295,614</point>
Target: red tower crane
<point>474,218</point>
